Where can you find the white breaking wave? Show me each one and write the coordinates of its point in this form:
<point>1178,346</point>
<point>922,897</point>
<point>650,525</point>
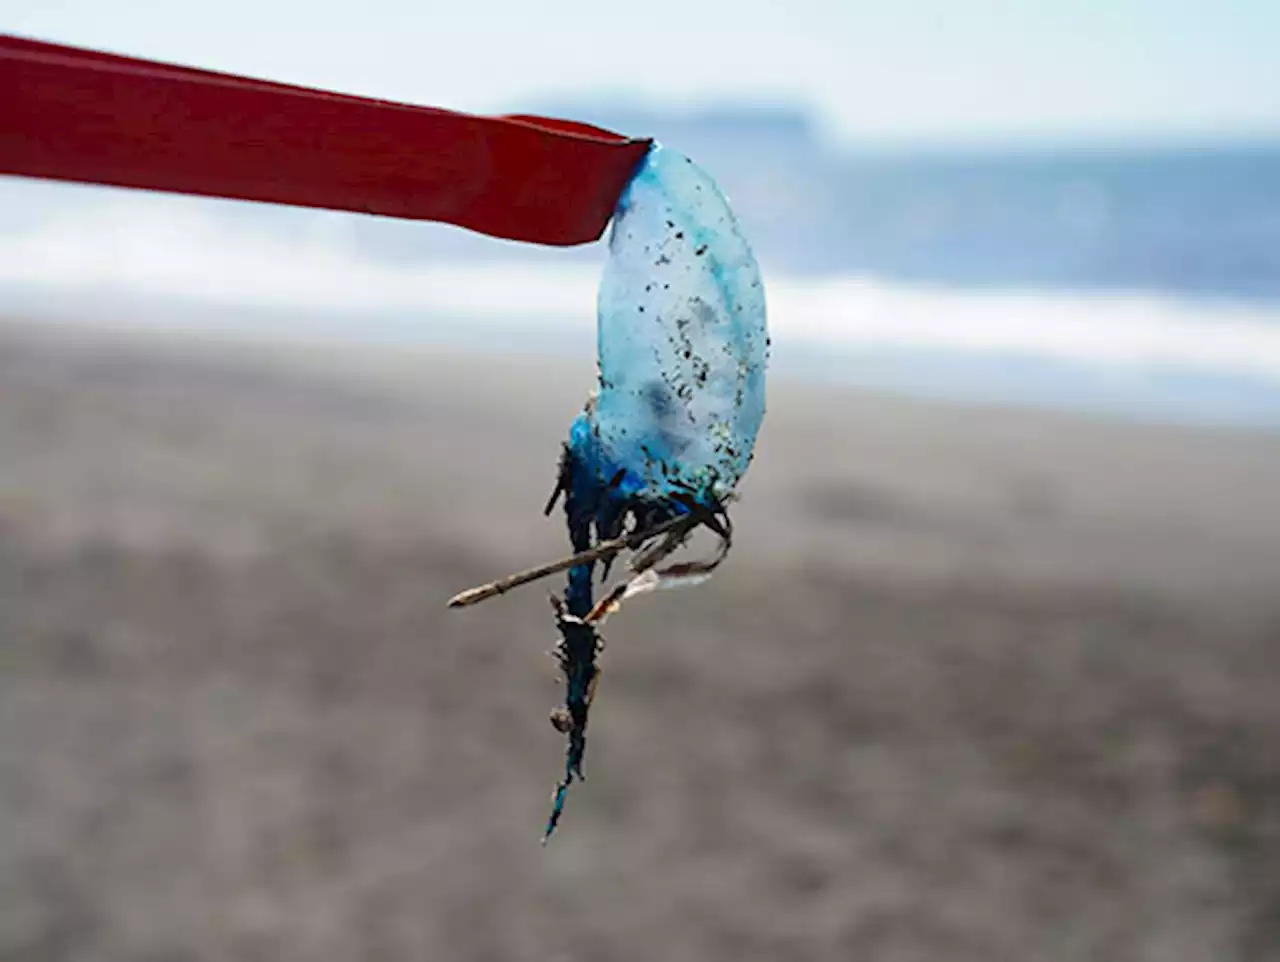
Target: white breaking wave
<point>125,248</point>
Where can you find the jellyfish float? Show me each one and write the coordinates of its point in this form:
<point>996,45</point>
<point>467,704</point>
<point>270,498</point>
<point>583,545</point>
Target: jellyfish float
<point>670,429</point>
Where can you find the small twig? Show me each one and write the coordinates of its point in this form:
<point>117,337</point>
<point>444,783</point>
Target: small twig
<point>606,549</point>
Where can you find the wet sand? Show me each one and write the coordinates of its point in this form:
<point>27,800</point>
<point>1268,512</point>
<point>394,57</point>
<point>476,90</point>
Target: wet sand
<point>974,684</point>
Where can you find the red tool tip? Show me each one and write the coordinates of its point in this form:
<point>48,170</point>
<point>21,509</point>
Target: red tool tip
<point>98,118</point>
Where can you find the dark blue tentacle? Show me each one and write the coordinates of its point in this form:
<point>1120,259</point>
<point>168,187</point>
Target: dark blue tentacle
<point>585,499</point>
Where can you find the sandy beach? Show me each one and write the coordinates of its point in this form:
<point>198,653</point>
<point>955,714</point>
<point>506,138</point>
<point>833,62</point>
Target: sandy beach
<point>975,683</point>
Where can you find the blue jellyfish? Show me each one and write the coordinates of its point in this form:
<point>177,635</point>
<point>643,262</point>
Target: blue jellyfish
<point>670,429</point>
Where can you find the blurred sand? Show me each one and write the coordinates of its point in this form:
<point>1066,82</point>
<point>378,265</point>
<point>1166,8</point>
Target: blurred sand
<point>975,684</point>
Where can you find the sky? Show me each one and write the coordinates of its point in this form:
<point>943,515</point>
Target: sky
<point>924,71</point>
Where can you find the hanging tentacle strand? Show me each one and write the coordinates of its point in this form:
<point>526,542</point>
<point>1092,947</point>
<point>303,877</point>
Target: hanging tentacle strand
<point>670,430</point>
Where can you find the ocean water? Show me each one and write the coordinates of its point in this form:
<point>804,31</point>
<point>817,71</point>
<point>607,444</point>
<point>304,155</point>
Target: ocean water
<point>1127,282</point>
<point>1190,221</point>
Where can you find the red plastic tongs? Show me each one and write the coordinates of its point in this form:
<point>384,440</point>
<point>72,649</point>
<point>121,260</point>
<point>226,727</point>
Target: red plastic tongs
<point>81,115</point>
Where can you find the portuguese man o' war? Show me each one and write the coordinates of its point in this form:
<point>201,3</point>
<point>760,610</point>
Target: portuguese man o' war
<point>670,429</point>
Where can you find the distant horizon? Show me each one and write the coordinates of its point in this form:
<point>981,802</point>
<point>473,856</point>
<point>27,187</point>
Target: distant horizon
<point>824,133</point>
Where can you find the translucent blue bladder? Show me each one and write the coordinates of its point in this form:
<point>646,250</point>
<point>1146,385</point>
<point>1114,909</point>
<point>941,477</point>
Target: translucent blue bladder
<point>683,342</point>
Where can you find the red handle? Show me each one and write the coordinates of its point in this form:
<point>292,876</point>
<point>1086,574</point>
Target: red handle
<point>82,115</point>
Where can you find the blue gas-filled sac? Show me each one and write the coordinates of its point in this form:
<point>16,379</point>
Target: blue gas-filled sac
<point>672,424</point>
<point>682,341</point>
